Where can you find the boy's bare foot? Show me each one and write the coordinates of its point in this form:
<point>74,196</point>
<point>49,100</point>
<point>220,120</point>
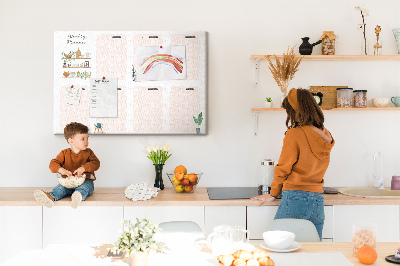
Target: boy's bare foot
<point>44,198</point>
<point>76,199</point>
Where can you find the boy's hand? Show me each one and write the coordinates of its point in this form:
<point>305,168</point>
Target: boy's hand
<point>79,171</point>
<point>63,171</point>
<point>263,198</point>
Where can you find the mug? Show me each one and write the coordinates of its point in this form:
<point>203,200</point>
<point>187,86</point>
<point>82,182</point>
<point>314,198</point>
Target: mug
<point>395,184</point>
<point>396,101</point>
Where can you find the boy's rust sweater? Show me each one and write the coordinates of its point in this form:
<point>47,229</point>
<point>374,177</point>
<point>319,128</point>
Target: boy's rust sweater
<point>71,161</point>
<point>303,162</point>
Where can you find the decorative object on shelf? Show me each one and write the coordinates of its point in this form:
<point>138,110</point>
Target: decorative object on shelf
<point>158,155</point>
<point>328,43</point>
<point>283,71</point>
<point>141,191</point>
<point>306,48</point>
<point>344,97</point>
<point>318,97</point>
<point>78,53</point>
<point>378,44</point>
<point>86,64</point>
<point>198,121</point>
<point>396,101</point>
<point>137,240</point>
<point>396,33</point>
<point>360,98</point>
<point>66,74</point>
<point>380,102</point>
<point>268,102</point>
<point>364,43</point>
<point>329,93</point>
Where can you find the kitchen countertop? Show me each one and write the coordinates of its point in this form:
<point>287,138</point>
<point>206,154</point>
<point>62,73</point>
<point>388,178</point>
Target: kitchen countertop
<point>23,196</point>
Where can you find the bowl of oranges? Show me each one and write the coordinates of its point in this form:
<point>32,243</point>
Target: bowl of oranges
<point>182,181</point>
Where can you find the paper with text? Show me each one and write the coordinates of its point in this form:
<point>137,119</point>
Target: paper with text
<point>73,95</point>
<point>103,97</point>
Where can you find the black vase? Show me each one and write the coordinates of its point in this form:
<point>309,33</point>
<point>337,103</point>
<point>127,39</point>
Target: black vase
<point>159,181</point>
<point>306,48</point>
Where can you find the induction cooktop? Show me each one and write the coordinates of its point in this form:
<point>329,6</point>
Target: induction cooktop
<point>225,193</point>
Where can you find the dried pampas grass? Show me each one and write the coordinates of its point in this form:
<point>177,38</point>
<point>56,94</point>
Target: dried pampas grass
<point>283,71</point>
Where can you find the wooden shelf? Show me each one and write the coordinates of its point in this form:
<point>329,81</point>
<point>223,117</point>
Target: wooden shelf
<point>331,109</point>
<point>336,57</point>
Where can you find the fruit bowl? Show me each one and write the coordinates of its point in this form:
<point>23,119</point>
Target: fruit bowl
<point>186,183</point>
<point>72,181</point>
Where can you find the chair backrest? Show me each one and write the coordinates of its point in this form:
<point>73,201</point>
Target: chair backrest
<point>304,230</point>
<point>180,226</point>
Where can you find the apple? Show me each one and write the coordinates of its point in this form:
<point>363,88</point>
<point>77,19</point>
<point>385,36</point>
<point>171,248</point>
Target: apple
<point>179,188</point>
<point>181,168</point>
<point>192,178</point>
<point>175,181</point>
<point>189,188</point>
<point>185,182</point>
<point>179,175</point>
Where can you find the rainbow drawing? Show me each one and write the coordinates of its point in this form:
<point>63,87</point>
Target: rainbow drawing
<point>154,60</point>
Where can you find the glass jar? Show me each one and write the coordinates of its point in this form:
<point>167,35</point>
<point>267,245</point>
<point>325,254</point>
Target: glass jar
<point>344,97</point>
<point>360,98</point>
<point>364,234</point>
<point>266,176</point>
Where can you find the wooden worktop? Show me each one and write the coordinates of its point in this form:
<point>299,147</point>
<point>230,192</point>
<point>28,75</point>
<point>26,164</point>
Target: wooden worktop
<point>23,196</point>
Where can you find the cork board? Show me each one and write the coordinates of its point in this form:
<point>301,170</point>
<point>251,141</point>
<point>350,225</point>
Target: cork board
<point>329,98</point>
<point>161,81</point>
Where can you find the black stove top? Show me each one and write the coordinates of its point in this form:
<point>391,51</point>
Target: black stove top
<point>225,193</point>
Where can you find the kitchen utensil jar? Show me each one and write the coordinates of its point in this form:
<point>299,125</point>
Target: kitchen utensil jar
<point>344,97</point>
<point>360,98</point>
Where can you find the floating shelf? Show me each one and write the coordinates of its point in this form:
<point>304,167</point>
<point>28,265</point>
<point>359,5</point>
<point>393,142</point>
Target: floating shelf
<point>336,57</point>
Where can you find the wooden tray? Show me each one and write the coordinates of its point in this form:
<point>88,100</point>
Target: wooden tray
<point>329,98</point>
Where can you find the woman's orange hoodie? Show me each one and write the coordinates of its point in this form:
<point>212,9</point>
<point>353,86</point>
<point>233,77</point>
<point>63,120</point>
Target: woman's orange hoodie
<point>303,162</point>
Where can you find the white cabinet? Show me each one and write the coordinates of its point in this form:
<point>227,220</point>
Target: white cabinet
<point>85,225</point>
<point>218,215</point>
<point>159,214</point>
<point>259,219</point>
<point>386,217</point>
<point>20,229</point>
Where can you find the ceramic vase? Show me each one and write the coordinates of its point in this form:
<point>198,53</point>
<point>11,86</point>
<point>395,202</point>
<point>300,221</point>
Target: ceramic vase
<point>159,181</point>
<point>268,104</point>
<point>396,33</point>
<point>139,258</point>
<point>364,46</point>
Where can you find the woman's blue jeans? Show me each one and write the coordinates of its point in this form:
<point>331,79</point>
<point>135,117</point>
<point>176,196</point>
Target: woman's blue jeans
<point>86,189</point>
<point>306,205</point>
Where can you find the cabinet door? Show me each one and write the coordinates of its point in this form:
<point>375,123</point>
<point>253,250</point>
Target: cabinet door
<point>260,218</point>
<point>20,229</point>
<point>386,217</point>
<point>159,214</point>
<point>85,225</point>
<point>218,215</point>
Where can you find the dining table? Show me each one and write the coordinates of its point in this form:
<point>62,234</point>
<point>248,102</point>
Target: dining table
<point>72,254</point>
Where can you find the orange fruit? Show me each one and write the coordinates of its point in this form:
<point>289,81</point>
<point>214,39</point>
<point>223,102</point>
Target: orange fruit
<point>180,169</point>
<point>367,255</point>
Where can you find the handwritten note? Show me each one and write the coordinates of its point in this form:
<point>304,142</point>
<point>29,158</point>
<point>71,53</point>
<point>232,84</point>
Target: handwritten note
<point>103,97</point>
<point>73,95</point>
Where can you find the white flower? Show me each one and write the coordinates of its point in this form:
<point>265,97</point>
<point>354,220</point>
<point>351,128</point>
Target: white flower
<point>162,148</point>
<point>155,149</point>
<point>167,148</point>
<point>148,149</point>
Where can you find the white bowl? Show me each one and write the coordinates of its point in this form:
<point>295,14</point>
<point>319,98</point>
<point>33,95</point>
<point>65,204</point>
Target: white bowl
<point>279,240</point>
<point>380,102</point>
<point>72,181</point>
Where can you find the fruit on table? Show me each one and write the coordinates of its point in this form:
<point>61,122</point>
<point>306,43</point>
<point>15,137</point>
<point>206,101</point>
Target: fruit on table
<point>175,181</point>
<point>367,255</point>
<point>192,178</point>
<point>185,182</point>
<point>179,175</point>
<point>179,188</point>
<point>180,171</point>
<point>189,188</point>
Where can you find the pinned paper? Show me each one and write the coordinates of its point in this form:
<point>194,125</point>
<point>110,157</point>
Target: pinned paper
<point>103,97</point>
<point>73,95</point>
<point>161,63</point>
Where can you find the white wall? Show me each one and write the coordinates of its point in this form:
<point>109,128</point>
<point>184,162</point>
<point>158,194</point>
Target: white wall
<point>230,153</point>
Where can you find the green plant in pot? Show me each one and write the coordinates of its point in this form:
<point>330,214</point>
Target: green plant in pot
<point>198,121</point>
<point>137,240</point>
<point>268,102</point>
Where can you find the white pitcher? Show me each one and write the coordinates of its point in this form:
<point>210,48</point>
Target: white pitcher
<point>220,241</point>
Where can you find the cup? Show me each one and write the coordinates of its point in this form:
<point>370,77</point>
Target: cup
<point>240,236</point>
<point>396,101</point>
<point>380,102</point>
<point>395,185</point>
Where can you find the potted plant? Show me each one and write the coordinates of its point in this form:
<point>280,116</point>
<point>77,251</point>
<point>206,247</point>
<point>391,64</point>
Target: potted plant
<point>137,240</point>
<point>158,155</point>
<point>268,102</point>
<point>198,121</point>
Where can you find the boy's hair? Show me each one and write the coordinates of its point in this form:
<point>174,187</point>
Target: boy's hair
<point>309,113</point>
<point>74,128</point>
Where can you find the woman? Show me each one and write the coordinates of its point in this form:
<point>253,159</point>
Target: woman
<point>305,156</point>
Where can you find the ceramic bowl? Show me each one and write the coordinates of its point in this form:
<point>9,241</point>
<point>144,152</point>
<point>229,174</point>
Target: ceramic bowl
<point>187,184</point>
<point>380,102</point>
<point>279,239</point>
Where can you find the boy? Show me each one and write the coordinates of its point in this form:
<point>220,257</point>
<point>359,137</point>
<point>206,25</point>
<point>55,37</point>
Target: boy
<point>76,160</point>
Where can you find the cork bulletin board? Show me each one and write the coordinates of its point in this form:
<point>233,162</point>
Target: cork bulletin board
<point>131,82</point>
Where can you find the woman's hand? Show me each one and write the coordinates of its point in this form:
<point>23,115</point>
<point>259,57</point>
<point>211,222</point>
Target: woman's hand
<point>263,198</point>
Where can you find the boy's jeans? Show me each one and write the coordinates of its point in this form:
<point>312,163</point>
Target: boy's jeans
<point>306,205</point>
<point>86,189</point>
